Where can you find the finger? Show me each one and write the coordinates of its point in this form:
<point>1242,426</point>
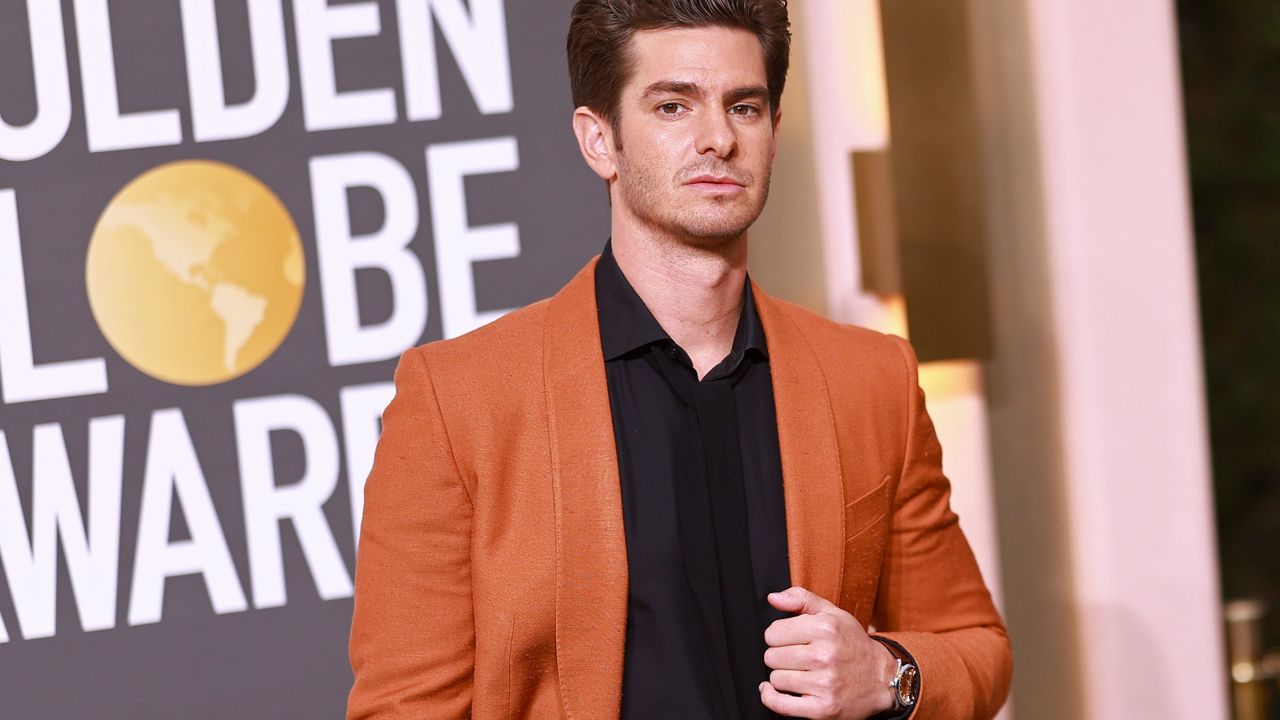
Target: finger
<point>799,600</point>
<point>790,657</point>
<point>796,630</point>
<point>788,705</point>
<point>799,630</point>
<point>800,682</point>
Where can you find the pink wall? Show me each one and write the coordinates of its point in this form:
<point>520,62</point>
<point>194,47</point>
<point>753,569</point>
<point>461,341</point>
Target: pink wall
<point>1125,319</point>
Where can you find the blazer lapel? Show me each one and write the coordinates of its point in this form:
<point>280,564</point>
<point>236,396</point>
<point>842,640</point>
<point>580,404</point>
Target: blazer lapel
<point>811,476</point>
<point>591,553</point>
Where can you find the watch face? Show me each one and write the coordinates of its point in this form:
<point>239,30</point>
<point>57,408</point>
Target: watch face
<point>908,685</point>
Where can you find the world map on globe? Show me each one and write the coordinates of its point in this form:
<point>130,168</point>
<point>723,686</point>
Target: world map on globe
<point>195,272</point>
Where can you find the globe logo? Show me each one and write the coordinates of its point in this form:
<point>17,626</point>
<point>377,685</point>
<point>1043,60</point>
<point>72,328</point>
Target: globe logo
<point>195,272</point>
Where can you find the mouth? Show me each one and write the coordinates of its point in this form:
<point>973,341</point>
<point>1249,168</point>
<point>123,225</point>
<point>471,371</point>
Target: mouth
<point>720,184</point>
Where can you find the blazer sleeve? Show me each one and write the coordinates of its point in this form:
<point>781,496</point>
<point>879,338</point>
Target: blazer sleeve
<point>932,600</point>
<point>412,631</point>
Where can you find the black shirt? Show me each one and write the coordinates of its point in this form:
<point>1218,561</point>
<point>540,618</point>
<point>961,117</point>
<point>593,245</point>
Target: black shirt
<point>703,508</point>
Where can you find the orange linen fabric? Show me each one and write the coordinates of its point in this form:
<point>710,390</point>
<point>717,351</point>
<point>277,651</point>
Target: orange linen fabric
<point>491,578</point>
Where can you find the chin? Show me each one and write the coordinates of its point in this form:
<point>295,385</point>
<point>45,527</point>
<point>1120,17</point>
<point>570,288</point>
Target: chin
<point>703,223</point>
<point>714,234</point>
<point>715,225</point>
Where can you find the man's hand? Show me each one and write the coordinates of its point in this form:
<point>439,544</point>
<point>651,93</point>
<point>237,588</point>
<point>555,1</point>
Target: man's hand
<point>824,656</point>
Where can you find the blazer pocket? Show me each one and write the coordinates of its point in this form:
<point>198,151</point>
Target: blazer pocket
<point>864,546</point>
<point>867,509</point>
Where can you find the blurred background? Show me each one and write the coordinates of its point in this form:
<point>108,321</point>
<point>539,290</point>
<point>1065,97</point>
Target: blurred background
<point>1230,54</point>
<point>221,221</point>
<point>1071,209</point>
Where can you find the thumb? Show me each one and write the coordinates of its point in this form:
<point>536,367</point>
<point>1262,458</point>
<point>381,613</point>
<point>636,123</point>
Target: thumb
<point>798,600</point>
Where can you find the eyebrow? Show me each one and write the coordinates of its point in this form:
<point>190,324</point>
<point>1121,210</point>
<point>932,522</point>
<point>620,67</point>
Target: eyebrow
<point>755,92</point>
<point>672,87</point>
<point>680,87</point>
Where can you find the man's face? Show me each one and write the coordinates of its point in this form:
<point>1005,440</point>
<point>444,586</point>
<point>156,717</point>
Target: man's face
<point>695,140</point>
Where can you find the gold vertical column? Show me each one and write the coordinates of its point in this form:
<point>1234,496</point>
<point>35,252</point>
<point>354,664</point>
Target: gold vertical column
<point>936,171</point>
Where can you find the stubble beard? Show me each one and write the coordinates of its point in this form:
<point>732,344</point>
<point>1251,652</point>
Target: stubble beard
<point>711,223</point>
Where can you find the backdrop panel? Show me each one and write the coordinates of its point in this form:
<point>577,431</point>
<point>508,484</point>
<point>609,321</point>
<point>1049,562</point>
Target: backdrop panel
<point>220,224</point>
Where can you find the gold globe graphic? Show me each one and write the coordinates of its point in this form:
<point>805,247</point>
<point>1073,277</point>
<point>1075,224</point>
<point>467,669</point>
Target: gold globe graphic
<point>195,272</point>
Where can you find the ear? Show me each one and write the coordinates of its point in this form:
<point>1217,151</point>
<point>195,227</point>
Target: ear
<point>595,140</point>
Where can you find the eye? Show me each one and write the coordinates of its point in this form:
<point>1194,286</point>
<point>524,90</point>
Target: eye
<point>744,110</point>
<point>670,108</point>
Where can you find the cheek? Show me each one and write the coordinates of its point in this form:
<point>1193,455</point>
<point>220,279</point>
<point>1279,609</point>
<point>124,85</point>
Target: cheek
<point>670,142</point>
<point>660,155</point>
<point>763,148</point>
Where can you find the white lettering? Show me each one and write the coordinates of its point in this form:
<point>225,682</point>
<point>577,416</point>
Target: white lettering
<point>302,502</point>
<point>106,126</point>
<point>211,117</point>
<point>323,107</point>
<point>53,88</point>
<point>92,554</point>
<point>172,467</point>
<point>340,254</point>
<point>458,245</point>
<point>478,42</point>
<point>20,378</point>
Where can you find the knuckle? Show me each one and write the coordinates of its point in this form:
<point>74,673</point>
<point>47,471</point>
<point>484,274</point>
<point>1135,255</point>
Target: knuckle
<point>824,656</point>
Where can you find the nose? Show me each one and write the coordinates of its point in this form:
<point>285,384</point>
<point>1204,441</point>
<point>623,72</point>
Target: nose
<point>716,135</point>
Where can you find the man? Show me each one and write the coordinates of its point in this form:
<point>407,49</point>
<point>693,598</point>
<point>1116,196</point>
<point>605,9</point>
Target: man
<point>590,508</point>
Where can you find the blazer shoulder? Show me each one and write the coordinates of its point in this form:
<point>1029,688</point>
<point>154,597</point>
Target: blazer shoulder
<point>508,346</point>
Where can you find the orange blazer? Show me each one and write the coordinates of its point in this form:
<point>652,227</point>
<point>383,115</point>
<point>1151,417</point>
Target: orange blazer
<point>491,577</point>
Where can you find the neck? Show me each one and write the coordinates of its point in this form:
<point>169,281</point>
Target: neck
<point>693,291</point>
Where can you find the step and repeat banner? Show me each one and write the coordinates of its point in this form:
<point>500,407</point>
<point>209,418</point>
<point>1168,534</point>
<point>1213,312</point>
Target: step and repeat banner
<point>221,222</point>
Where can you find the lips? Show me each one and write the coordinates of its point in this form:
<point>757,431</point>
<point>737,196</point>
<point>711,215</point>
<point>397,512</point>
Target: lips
<point>715,183</point>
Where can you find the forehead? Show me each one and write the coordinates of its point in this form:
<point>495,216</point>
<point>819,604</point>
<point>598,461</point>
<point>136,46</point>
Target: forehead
<point>715,58</point>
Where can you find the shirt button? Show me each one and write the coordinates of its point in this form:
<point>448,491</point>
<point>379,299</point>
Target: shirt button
<point>671,352</point>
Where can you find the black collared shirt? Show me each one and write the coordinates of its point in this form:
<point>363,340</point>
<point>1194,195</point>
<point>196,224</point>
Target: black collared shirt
<point>703,507</point>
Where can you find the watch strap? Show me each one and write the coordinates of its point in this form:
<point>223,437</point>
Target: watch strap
<point>900,712</point>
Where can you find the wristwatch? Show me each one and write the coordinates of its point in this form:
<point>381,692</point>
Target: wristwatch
<point>905,685</point>
<point>905,682</point>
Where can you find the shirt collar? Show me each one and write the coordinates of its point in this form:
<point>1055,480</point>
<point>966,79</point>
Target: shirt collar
<point>627,325</point>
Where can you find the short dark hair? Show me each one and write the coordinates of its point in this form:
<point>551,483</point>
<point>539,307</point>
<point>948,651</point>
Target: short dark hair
<point>600,29</point>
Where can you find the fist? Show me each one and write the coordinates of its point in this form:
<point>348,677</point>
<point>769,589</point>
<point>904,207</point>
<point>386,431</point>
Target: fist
<point>826,661</point>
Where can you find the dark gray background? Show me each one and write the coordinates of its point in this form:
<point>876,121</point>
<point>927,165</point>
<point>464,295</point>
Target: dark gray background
<point>290,661</point>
